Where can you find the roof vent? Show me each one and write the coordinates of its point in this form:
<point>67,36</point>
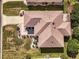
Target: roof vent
<point>53,23</point>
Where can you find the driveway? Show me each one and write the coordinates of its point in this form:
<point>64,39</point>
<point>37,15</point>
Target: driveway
<point>6,20</point>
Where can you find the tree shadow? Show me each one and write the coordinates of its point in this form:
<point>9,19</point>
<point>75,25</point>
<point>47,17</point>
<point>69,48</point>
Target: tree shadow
<point>48,7</point>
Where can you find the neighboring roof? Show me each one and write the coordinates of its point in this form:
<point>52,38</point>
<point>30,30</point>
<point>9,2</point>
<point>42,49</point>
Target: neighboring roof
<point>44,0</point>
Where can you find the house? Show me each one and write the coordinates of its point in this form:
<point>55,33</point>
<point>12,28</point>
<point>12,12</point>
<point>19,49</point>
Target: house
<point>43,2</point>
<point>50,27</point>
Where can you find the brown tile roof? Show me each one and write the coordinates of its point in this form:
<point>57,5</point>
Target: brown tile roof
<point>51,37</point>
<point>49,26</point>
<point>65,28</point>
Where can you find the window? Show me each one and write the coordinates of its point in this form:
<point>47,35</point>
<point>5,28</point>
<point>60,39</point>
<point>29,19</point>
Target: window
<point>30,30</point>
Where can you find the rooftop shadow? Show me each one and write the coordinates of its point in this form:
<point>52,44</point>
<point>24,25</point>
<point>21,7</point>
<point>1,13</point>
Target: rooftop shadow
<point>49,7</point>
<point>52,50</point>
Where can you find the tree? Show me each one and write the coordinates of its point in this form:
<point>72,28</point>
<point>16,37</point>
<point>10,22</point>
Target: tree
<point>72,48</point>
<point>76,33</point>
<point>75,16</point>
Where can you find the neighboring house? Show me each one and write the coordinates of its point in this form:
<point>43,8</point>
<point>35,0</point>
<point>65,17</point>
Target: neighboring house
<point>43,2</point>
<point>50,27</point>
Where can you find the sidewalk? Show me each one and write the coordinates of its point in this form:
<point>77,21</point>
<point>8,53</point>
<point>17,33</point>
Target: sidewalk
<point>48,58</point>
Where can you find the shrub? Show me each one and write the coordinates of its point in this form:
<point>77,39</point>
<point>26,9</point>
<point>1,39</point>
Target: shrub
<point>75,16</point>
<point>72,48</point>
<point>18,41</point>
<point>27,43</point>
<point>76,33</point>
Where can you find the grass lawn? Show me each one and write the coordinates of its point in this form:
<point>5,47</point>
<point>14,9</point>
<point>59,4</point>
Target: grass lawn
<point>13,54</point>
<point>13,47</point>
<point>65,6</point>
<point>77,56</point>
<point>13,8</point>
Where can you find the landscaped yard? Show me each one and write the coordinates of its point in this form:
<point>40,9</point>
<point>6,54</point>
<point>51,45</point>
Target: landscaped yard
<point>13,8</point>
<point>13,47</point>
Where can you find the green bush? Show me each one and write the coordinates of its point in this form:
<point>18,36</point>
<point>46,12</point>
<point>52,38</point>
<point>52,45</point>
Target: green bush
<point>18,41</point>
<point>76,33</point>
<point>72,48</point>
<point>73,1</point>
<point>75,16</point>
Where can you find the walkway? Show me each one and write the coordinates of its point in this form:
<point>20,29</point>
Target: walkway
<point>48,58</point>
